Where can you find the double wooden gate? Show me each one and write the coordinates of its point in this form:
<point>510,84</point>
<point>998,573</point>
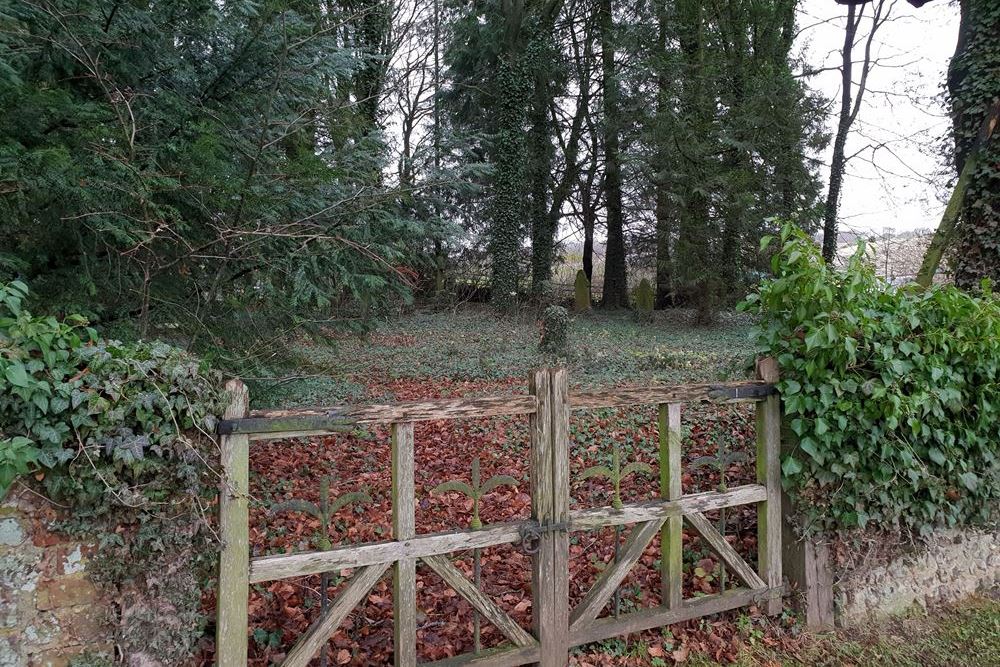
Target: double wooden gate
<point>556,626</point>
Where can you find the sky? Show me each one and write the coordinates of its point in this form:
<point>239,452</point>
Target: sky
<point>898,179</point>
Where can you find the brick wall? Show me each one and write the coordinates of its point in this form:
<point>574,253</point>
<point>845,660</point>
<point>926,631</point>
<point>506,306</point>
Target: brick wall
<point>50,610</point>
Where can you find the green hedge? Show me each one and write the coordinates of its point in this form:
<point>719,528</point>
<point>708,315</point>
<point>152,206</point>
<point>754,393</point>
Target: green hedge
<point>891,394</point>
<point>120,434</point>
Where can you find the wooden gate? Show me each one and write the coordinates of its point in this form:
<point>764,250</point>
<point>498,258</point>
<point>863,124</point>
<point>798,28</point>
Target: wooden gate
<point>556,627</point>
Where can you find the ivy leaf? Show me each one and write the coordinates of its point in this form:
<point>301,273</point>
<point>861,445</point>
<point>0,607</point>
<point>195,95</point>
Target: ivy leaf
<point>791,466</point>
<point>970,480</point>
<point>937,456</point>
<point>16,374</point>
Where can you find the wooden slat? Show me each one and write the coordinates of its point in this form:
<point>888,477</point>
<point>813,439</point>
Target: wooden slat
<point>320,632</point>
<point>406,411</point>
<point>598,517</point>
<point>485,606</point>
<point>724,392</point>
<point>269,568</point>
<point>602,590</point>
<point>502,656</point>
<point>768,419</point>
<point>655,617</point>
<point>234,527</point>
<point>404,579</point>
<point>556,652</point>
<point>671,538</point>
<point>725,551</point>
<point>540,428</point>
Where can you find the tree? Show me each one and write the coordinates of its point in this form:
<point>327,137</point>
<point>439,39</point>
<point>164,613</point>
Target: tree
<point>973,85</point>
<point>615,283</point>
<point>196,166</point>
<point>850,106</point>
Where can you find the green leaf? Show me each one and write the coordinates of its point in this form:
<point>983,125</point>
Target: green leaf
<point>16,374</point>
<point>790,466</point>
<point>937,456</point>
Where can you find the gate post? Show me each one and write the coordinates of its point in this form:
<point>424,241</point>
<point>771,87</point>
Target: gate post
<point>769,475</point>
<point>549,428</point>
<point>234,529</point>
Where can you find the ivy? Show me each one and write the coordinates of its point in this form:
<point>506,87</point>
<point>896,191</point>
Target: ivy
<point>121,434</point>
<point>974,85</point>
<point>891,395</point>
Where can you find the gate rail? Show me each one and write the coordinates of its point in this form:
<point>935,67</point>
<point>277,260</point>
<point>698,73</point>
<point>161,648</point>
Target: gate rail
<point>556,627</point>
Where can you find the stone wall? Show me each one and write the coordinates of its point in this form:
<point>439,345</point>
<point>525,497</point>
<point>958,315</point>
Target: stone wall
<point>951,565</point>
<point>50,611</point>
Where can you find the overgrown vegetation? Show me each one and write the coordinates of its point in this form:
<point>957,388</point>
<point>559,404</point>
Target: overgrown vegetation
<point>890,393</point>
<point>120,433</point>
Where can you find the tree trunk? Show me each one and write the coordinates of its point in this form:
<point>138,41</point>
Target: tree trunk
<point>662,208</point>
<point>839,159</point>
<point>615,286</point>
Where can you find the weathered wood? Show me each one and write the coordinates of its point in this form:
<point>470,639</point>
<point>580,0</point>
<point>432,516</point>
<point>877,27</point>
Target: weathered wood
<point>671,537</point>
<point>768,426</point>
<point>277,427</point>
<point>502,656</point>
<point>655,617</point>
<point>479,601</point>
<point>806,563</point>
<point>597,597</point>
<point>320,631</point>
<point>409,411</point>
<point>269,568</point>
<point>234,528</point>
<point>404,580</point>
<point>725,550</point>
<point>726,392</point>
<point>556,653</point>
<point>540,428</point>
<point>598,517</point>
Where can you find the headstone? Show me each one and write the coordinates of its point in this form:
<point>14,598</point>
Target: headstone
<point>644,299</point>
<point>581,292</point>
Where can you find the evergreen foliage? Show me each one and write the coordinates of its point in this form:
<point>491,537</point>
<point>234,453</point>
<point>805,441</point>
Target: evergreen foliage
<point>198,166</point>
<point>890,394</point>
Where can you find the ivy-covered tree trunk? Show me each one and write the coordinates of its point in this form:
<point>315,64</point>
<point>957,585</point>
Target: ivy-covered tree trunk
<point>973,83</point>
<point>543,227</point>
<point>839,159</point>
<point>615,284</point>
<point>508,183</point>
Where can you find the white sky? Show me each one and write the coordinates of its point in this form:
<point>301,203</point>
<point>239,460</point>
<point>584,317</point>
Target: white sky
<point>903,184</point>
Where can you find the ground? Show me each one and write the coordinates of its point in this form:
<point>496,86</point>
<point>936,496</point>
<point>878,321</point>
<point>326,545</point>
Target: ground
<point>467,353</point>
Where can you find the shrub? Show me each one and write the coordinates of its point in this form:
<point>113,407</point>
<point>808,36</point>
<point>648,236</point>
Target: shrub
<point>891,394</point>
<point>555,327</point>
<point>120,434</point>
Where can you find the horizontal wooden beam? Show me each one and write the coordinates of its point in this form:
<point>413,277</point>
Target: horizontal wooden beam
<point>655,617</point>
<point>307,421</point>
<point>269,568</point>
<point>598,517</point>
<point>726,392</point>
<point>503,656</point>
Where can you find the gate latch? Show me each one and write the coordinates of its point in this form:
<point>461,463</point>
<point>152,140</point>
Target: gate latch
<point>532,532</point>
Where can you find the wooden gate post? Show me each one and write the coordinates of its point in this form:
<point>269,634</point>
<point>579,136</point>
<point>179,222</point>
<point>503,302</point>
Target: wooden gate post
<point>404,580</point>
<point>558,653</point>
<point>671,542</point>
<point>769,474</point>
<point>234,529</point>
<point>549,427</point>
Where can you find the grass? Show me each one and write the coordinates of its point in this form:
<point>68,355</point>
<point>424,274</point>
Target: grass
<point>473,344</point>
<point>960,635</point>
